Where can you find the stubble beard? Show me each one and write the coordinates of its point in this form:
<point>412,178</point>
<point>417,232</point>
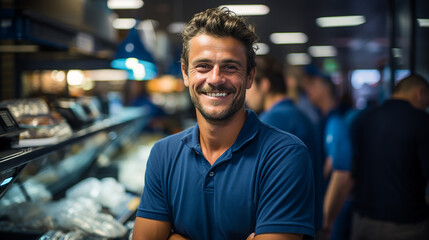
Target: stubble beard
<point>226,114</point>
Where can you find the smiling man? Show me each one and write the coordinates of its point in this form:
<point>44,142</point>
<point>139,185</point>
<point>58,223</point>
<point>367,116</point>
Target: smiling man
<point>230,176</point>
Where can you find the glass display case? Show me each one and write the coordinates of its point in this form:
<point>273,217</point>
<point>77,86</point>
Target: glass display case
<point>43,176</point>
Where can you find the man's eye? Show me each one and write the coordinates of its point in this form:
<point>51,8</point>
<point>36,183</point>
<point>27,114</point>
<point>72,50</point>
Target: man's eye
<point>203,66</point>
<point>230,68</point>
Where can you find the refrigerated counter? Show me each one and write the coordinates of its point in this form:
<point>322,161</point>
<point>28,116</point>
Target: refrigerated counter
<point>31,174</point>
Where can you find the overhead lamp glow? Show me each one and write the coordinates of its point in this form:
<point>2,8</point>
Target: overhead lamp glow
<point>248,9</point>
<point>423,22</point>
<point>340,21</point>
<point>107,75</point>
<point>298,59</point>
<point>59,76</point>
<point>288,38</point>
<point>322,51</point>
<point>124,23</point>
<point>75,77</point>
<point>139,71</point>
<point>124,4</point>
<point>132,56</point>
<point>262,48</point>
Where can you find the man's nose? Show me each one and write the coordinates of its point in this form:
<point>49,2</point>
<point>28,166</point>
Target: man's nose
<point>216,77</point>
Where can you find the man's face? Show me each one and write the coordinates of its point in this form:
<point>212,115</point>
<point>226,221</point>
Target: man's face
<point>216,76</point>
<point>314,89</point>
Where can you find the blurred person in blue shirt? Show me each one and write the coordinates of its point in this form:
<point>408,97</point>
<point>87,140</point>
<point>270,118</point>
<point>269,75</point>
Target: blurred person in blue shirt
<point>268,96</point>
<point>322,93</point>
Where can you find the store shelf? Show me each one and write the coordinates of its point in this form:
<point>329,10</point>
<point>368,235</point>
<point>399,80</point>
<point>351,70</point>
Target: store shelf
<point>15,157</point>
<point>28,26</point>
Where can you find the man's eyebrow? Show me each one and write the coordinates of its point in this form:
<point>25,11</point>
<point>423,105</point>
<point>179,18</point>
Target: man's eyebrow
<point>232,61</point>
<point>206,60</point>
<point>201,60</point>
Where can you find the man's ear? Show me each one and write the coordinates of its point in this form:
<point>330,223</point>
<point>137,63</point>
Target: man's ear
<point>422,94</point>
<point>418,97</point>
<point>184,74</point>
<point>251,78</point>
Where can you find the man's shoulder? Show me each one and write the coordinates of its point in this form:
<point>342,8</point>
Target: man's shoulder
<point>175,139</point>
<point>273,135</point>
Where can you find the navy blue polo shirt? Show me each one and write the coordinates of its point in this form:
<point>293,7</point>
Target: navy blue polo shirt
<point>286,116</point>
<point>263,183</point>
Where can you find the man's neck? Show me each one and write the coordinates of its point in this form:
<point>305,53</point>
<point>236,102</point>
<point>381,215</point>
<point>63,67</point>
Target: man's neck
<point>216,137</point>
<point>273,99</point>
<point>410,97</point>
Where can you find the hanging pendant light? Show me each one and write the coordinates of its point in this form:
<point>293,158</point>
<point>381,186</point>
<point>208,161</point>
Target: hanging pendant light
<point>132,55</point>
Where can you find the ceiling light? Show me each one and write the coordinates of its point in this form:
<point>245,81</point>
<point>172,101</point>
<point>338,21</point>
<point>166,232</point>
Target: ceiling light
<point>124,23</point>
<point>423,22</point>
<point>298,59</point>
<point>262,49</point>
<point>107,75</point>
<point>124,4</point>
<point>289,38</point>
<point>75,77</point>
<point>340,21</point>
<point>248,10</point>
<point>322,51</point>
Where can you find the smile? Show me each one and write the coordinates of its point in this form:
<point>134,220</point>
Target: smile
<point>216,94</point>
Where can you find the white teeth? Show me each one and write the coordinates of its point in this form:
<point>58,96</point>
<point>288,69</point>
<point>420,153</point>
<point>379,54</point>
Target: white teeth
<point>216,94</point>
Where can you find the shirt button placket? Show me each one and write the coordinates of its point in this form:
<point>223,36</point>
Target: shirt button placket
<point>211,174</point>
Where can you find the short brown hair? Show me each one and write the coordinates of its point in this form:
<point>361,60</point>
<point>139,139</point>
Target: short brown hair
<point>410,82</point>
<point>268,67</point>
<point>220,23</point>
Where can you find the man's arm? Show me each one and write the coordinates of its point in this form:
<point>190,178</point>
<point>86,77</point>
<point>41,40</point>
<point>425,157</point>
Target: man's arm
<point>338,190</point>
<point>148,229</point>
<point>275,236</point>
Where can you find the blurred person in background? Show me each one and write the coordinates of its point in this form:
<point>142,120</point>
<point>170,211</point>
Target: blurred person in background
<point>296,80</point>
<point>337,154</point>
<point>268,97</point>
<point>391,165</point>
<point>139,97</point>
<point>230,176</point>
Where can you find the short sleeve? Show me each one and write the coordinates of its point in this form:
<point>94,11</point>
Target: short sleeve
<point>286,203</point>
<point>338,144</point>
<point>153,204</point>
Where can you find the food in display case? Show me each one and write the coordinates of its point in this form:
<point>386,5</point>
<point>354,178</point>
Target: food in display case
<point>91,209</point>
<point>42,195</point>
<point>69,215</point>
<point>43,125</point>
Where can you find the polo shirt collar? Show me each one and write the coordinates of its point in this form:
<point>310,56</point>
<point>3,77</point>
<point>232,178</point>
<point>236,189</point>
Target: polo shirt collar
<point>247,133</point>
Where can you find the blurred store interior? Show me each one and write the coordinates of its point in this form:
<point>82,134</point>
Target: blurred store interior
<point>87,86</point>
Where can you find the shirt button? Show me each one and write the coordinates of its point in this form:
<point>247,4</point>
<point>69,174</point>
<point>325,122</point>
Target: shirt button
<point>211,173</point>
